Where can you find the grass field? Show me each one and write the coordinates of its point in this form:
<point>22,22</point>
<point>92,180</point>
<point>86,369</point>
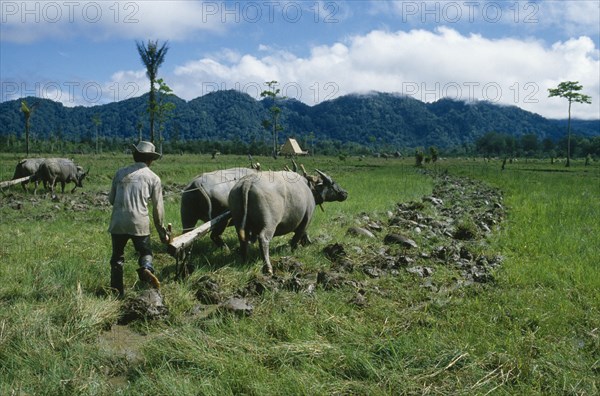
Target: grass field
<point>534,330</point>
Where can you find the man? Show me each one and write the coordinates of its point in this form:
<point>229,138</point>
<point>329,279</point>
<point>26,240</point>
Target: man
<point>132,188</point>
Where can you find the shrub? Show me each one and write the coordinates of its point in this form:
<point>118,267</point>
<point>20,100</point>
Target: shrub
<point>419,156</point>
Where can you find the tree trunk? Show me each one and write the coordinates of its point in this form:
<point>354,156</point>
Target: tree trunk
<point>152,110</point>
<point>569,137</point>
<point>275,138</point>
<point>27,136</point>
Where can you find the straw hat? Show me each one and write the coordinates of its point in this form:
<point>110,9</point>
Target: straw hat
<point>147,149</point>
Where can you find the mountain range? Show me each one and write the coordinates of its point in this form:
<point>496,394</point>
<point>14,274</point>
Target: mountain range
<point>378,120</point>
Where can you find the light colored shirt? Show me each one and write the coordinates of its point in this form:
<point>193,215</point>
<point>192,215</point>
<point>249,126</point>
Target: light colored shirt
<point>132,188</point>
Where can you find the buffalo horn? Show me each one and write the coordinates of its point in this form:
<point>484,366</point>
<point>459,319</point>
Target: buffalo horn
<point>324,176</point>
<point>303,170</point>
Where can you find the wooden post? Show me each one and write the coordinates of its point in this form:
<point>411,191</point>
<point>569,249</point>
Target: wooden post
<point>13,182</point>
<point>182,241</point>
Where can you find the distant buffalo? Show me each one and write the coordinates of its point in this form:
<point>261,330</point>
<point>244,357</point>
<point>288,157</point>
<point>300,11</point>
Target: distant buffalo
<point>28,167</point>
<point>269,204</point>
<point>206,198</point>
<point>62,170</point>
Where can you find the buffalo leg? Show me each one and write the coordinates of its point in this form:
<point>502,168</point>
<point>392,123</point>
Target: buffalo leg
<point>216,233</point>
<point>296,238</point>
<point>300,238</point>
<point>300,235</point>
<point>305,240</point>
<point>264,239</point>
<point>242,237</point>
<point>52,187</point>
<point>244,250</point>
<point>187,222</point>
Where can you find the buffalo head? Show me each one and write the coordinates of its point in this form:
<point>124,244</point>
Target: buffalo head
<point>81,174</point>
<point>327,190</point>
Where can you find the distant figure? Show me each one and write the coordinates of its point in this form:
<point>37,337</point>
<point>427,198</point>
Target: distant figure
<point>132,188</point>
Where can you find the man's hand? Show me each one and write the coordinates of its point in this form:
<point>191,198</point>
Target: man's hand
<point>165,234</point>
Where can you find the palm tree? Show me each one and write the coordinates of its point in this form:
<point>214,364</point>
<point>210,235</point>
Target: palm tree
<point>569,90</point>
<point>152,57</point>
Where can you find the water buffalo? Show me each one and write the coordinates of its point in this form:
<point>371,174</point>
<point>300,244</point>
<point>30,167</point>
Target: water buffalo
<point>62,170</point>
<point>206,198</point>
<point>28,167</point>
<point>269,204</point>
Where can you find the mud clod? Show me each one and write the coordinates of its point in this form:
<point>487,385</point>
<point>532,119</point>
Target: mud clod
<point>148,305</point>
<point>334,251</point>
<point>421,271</point>
<point>208,291</point>
<point>359,231</point>
<point>237,306</point>
<point>400,240</point>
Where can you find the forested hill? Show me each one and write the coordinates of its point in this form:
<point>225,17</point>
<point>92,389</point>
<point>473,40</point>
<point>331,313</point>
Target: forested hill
<point>376,120</point>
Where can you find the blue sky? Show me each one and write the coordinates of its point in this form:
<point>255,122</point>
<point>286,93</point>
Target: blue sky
<point>507,52</point>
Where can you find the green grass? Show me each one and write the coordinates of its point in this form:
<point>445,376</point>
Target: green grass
<point>536,330</point>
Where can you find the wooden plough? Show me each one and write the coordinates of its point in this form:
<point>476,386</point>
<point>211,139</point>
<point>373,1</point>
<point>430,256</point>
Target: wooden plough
<point>178,245</point>
<point>9,183</point>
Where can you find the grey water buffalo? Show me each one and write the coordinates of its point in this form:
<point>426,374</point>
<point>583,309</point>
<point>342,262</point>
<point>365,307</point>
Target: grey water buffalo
<point>62,170</point>
<point>206,198</point>
<point>28,167</point>
<point>269,204</point>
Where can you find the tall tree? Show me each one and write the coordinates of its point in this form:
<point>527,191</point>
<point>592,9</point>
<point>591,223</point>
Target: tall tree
<point>138,126</point>
<point>163,108</point>
<point>97,122</point>
<point>272,93</point>
<point>152,57</point>
<point>27,111</point>
<point>570,91</point>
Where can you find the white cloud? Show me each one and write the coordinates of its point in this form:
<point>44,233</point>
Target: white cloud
<point>570,18</point>
<point>426,65</point>
<point>573,17</point>
<point>31,21</point>
<point>121,86</point>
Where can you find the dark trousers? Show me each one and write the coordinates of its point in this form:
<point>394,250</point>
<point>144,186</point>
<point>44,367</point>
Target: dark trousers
<point>141,245</point>
<point>117,260</point>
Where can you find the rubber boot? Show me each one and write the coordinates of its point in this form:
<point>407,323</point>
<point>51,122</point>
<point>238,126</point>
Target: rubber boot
<point>116,278</point>
<point>146,272</point>
<point>146,275</point>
